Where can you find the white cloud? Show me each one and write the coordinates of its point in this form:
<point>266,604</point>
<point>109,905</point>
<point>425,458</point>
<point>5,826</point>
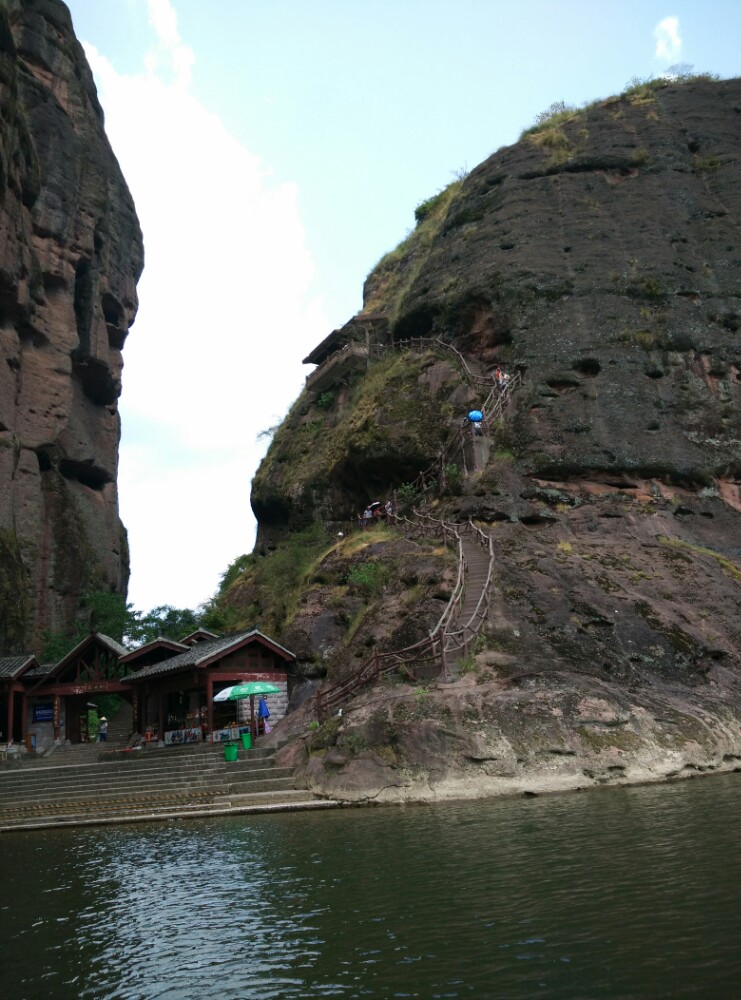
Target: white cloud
<point>668,40</point>
<point>225,318</point>
<point>171,53</point>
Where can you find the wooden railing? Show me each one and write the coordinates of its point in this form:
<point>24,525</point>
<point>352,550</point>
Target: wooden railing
<point>422,344</point>
<point>432,478</point>
<point>432,649</point>
<point>443,639</point>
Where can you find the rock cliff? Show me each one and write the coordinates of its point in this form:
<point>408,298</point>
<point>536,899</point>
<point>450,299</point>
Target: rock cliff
<point>70,255</point>
<point>599,256</point>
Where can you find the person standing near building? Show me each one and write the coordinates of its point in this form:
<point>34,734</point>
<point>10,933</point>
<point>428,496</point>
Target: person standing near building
<point>103,729</point>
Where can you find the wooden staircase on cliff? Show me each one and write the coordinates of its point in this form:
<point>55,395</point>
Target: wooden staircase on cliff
<point>452,640</point>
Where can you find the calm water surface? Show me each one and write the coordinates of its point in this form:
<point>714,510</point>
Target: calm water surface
<point>618,894</point>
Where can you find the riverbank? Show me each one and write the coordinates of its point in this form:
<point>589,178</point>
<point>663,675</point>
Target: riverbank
<point>632,893</point>
<point>472,740</point>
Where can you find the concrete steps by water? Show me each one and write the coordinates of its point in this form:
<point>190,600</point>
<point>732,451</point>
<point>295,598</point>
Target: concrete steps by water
<point>148,784</point>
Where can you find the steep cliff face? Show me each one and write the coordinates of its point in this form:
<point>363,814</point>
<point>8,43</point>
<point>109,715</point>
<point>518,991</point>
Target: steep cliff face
<point>600,257</point>
<point>601,252</point>
<point>70,255</point>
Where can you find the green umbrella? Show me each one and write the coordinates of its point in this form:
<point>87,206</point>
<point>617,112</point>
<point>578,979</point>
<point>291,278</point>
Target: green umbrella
<point>245,689</point>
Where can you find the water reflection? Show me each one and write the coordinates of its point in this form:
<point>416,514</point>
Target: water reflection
<point>622,894</point>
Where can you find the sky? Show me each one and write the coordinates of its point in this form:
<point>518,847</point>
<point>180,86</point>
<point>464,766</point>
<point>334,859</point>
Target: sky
<point>276,150</point>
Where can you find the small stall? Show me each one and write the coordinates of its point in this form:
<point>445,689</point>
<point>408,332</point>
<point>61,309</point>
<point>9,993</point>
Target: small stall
<point>237,694</point>
<point>185,717</point>
<point>174,697</point>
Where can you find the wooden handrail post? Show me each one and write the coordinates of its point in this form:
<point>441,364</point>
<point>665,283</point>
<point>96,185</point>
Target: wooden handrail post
<point>443,659</point>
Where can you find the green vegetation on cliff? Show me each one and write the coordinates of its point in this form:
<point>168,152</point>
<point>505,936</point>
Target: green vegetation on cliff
<point>380,432</point>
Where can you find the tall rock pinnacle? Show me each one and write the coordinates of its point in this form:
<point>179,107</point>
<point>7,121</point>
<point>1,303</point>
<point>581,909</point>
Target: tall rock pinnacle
<point>70,256</point>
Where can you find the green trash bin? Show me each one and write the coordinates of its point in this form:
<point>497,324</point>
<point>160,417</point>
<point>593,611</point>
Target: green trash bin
<point>247,741</point>
<point>230,751</point>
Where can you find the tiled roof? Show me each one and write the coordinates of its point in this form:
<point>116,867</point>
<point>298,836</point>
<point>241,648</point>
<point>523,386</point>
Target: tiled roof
<point>38,672</point>
<point>199,635</point>
<point>204,651</point>
<point>161,642</point>
<point>114,646</point>
<point>12,666</point>
<point>105,640</point>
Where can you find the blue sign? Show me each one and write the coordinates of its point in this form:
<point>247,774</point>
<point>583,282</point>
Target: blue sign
<point>43,712</point>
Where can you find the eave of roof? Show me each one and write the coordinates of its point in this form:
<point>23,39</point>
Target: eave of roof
<point>203,653</point>
<point>110,644</point>
<point>12,667</point>
<point>192,637</point>
<point>161,642</point>
<point>319,353</point>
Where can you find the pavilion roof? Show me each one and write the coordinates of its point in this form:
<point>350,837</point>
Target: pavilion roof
<point>161,642</point>
<point>13,666</point>
<point>199,635</point>
<point>205,652</point>
<point>93,638</point>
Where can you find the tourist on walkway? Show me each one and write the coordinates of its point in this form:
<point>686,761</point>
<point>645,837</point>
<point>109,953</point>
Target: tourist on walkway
<point>475,417</point>
<point>102,729</point>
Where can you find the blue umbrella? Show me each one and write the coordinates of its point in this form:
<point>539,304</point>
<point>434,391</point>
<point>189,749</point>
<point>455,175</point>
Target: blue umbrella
<point>475,416</point>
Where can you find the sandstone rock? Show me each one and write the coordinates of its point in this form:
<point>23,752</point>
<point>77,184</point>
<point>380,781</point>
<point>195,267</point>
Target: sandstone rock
<point>70,255</point>
<point>607,272</point>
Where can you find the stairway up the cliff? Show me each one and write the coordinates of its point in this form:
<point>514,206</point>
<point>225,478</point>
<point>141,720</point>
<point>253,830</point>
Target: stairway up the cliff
<point>148,784</point>
<point>477,578</point>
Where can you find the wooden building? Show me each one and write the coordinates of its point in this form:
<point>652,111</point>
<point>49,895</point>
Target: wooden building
<point>344,351</point>
<point>57,696</point>
<point>13,696</point>
<point>170,685</point>
<point>173,698</point>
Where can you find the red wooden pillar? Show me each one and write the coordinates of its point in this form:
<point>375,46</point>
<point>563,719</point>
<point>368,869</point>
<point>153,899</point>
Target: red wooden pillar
<point>161,721</point>
<point>24,714</point>
<point>11,706</point>
<point>210,703</point>
<point>135,710</point>
<point>146,721</point>
<point>56,714</point>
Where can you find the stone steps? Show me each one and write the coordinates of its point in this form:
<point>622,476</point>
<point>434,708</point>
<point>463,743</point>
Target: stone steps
<point>129,813</point>
<point>282,804</point>
<point>103,791</point>
<point>157,783</point>
<point>477,561</point>
<point>101,802</point>
<point>102,775</point>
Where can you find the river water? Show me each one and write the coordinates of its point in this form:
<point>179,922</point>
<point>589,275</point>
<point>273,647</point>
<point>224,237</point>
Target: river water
<point>620,893</point>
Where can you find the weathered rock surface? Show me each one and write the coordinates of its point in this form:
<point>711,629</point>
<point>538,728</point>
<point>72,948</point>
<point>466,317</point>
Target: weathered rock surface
<point>70,255</point>
<point>469,740</point>
<point>599,255</point>
<point>602,255</point>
